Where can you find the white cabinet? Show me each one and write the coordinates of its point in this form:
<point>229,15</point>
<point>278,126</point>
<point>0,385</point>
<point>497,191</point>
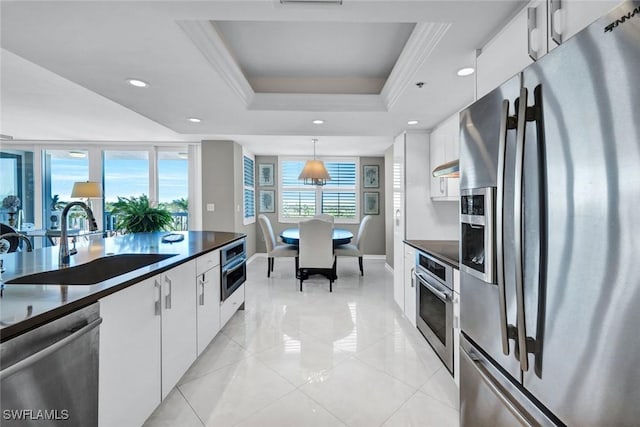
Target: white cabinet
<point>567,18</point>
<point>147,342</point>
<point>179,348</point>
<point>409,284</point>
<point>508,52</point>
<point>528,37</point>
<point>398,219</point>
<point>208,291</point>
<point>444,146</point>
<point>231,305</point>
<point>130,355</point>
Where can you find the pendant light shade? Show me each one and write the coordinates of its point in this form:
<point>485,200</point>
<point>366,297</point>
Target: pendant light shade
<point>314,172</point>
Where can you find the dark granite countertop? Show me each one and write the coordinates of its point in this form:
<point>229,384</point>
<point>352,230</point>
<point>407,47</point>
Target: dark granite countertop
<point>24,307</point>
<point>445,250</point>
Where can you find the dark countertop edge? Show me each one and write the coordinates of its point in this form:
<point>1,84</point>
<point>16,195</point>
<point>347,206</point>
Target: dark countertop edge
<point>19,328</point>
<point>420,245</point>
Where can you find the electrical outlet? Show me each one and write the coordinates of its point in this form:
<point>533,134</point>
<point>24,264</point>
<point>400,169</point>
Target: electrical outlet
<point>211,207</point>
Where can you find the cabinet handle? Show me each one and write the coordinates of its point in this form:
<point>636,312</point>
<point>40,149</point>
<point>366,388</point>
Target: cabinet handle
<point>167,298</point>
<point>158,304</point>
<point>441,185</point>
<point>202,282</point>
<point>532,33</point>
<point>413,284</point>
<point>556,21</point>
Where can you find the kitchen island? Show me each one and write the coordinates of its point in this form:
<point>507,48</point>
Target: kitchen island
<point>25,306</point>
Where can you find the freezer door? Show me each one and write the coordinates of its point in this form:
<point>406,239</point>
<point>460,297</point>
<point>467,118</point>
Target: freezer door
<point>585,316</point>
<point>479,151</point>
<point>488,398</point>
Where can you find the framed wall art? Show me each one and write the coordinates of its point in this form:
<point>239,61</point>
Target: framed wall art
<point>371,176</point>
<point>265,175</point>
<point>267,201</point>
<point>371,203</point>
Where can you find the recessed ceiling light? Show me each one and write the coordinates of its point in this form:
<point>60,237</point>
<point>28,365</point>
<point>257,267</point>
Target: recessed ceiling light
<point>194,120</point>
<point>78,154</point>
<point>318,122</point>
<point>137,83</point>
<point>413,122</point>
<point>467,71</point>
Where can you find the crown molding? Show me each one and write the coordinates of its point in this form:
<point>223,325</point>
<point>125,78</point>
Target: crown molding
<point>423,40</point>
<point>206,38</point>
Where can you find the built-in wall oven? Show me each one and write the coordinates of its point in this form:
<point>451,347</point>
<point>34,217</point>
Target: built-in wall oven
<point>233,260</point>
<point>434,281</point>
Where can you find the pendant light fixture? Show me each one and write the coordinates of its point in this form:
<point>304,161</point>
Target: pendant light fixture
<point>314,172</point>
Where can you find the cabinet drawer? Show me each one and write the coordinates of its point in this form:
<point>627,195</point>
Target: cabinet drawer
<point>231,305</point>
<point>207,262</point>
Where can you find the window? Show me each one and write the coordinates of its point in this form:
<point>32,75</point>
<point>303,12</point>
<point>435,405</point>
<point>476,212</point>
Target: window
<point>125,174</point>
<point>16,179</point>
<point>249,189</point>
<point>337,198</point>
<point>63,168</point>
<point>173,186</point>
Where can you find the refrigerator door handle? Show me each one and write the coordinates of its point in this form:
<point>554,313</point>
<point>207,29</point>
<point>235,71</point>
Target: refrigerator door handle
<point>517,215</point>
<point>506,123</point>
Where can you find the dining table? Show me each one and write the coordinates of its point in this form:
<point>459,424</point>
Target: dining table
<point>291,236</point>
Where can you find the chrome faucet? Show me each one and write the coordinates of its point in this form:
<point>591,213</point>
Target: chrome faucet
<point>20,237</point>
<point>64,255</point>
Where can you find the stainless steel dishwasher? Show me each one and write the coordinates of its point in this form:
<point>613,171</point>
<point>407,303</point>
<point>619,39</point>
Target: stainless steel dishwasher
<point>49,375</point>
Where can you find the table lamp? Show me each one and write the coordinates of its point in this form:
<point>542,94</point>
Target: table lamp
<point>87,189</point>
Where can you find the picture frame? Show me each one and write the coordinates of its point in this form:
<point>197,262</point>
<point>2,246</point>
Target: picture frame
<point>371,176</point>
<point>371,205</point>
<point>267,201</point>
<point>265,175</point>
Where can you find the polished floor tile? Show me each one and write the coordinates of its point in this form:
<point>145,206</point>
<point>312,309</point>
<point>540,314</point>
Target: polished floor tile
<point>422,410</point>
<point>358,394</point>
<point>294,409</point>
<point>174,411</point>
<point>442,387</point>
<point>229,395</point>
<point>315,358</point>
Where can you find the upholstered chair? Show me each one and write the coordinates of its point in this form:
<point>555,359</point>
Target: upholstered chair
<point>275,249</point>
<point>316,250</point>
<point>325,217</point>
<point>356,249</point>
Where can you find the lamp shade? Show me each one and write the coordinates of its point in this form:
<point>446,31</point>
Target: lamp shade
<point>314,173</point>
<point>88,189</point>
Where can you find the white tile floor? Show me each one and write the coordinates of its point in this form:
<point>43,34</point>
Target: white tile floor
<point>315,358</point>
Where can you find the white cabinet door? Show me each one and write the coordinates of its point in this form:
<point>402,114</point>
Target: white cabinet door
<point>504,56</point>
<point>573,16</point>
<point>179,348</point>
<point>445,147</point>
<point>398,220</point>
<point>409,284</point>
<point>129,380</point>
<point>208,289</point>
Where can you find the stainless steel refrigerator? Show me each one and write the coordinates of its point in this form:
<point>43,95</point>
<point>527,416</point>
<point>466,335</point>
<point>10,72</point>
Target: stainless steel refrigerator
<point>550,237</point>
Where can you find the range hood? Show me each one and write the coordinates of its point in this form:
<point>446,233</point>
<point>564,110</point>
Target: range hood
<point>448,170</point>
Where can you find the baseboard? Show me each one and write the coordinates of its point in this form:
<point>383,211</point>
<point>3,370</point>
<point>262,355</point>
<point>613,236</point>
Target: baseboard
<point>388,267</point>
<point>374,256</point>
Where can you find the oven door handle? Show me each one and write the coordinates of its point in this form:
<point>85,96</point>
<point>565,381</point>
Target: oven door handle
<point>230,268</point>
<point>437,292</point>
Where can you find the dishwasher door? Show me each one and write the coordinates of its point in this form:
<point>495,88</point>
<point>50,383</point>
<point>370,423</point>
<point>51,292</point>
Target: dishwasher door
<point>49,375</point>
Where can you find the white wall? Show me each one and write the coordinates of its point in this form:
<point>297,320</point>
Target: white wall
<point>426,220</point>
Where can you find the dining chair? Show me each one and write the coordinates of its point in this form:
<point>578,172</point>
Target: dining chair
<point>325,217</point>
<point>356,249</point>
<point>316,250</point>
<point>275,249</point>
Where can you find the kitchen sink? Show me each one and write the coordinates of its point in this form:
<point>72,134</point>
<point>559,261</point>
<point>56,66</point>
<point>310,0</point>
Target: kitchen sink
<point>93,272</point>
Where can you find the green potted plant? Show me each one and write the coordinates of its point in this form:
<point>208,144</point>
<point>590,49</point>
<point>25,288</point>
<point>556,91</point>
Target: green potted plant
<point>136,215</point>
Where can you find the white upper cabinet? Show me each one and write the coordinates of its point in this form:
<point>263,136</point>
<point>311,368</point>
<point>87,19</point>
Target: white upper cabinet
<point>528,37</point>
<point>444,146</point>
<point>566,18</point>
